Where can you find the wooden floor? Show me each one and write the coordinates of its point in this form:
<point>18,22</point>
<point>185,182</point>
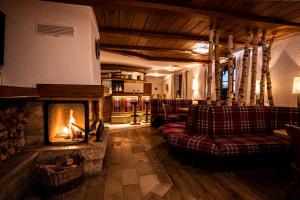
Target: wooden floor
<point>139,165</point>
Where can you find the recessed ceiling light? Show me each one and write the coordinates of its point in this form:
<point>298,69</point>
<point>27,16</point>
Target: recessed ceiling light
<point>202,48</point>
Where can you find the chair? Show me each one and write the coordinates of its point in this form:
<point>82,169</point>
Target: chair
<point>167,116</point>
<point>294,133</point>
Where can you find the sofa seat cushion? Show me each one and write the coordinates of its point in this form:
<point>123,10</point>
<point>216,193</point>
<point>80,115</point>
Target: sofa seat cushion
<point>181,124</point>
<point>251,144</point>
<point>183,138</point>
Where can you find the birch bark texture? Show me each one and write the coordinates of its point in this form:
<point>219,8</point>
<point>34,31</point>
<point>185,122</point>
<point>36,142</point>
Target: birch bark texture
<point>263,70</point>
<point>268,75</point>
<point>254,69</point>
<point>242,89</point>
<point>230,69</point>
<point>217,68</point>
<point>209,69</point>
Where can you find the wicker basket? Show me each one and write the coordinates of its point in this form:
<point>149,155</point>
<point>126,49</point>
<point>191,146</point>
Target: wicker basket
<point>63,175</point>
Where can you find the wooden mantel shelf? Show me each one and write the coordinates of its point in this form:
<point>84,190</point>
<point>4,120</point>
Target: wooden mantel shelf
<point>12,92</point>
<point>70,91</point>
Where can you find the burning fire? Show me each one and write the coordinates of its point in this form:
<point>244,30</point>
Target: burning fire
<point>69,131</point>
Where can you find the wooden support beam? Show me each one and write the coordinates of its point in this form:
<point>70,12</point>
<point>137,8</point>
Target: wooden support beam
<point>145,57</point>
<point>254,69</point>
<point>209,70</point>
<point>268,75</point>
<point>263,69</point>
<point>105,66</point>
<point>202,13</point>
<point>230,70</point>
<point>145,48</point>
<point>244,79</point>
<point>165,36</point>
<point>217,68</point>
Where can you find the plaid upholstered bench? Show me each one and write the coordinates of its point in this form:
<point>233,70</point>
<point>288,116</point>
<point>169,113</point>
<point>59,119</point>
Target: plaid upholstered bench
<point>157,113</point>
<point>224,131</point>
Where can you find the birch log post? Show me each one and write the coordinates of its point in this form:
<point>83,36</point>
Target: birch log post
<point>209,70</point>
<point>217,68</point>
<point>254,69</point>
<point>230,69</point>
<point>268,76</point>
<point>263,70</point>
<point>242,89</point>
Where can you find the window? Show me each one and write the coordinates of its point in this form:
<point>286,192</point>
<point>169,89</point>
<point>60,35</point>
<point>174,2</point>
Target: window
<point>224,81</point>
<point>178,86</point>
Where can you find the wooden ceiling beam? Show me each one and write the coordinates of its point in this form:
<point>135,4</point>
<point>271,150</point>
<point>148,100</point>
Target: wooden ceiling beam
<point>145,57</point>
<point>165,36</point>
<point>106,66</point>
<point>145,48</point>
<point>186,11</point>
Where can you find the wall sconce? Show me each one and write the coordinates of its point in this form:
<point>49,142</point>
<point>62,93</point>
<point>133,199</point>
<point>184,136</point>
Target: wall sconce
<point>195,84</point>
<point>296,89</point>
<point>257,91</point>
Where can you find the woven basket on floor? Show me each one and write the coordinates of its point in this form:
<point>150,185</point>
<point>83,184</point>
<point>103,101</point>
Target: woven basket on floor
<point>61,176</point>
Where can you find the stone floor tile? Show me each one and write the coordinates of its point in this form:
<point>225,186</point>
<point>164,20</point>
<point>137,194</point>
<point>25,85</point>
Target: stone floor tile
<point>151,196</point>
<point>129,177</point>
<point>147,183</point>
<point>140,157</point>
<point>144,169</point>
<point>138,149</point>
<point>132,192</point>
<point>161,189</point>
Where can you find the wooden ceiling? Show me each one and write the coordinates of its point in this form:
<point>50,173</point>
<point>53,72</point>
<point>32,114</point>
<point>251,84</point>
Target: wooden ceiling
<point>168,30</point>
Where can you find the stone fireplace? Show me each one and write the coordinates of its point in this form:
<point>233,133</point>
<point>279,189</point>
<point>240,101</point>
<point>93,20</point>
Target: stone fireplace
<point>45,122</point>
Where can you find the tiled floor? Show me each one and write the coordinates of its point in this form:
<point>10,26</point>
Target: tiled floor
<point>139,165</point>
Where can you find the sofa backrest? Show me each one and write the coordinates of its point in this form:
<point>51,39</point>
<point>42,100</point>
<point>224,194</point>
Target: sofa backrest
<point>284,115</point>
<point>238,120</point>
<point>223,120</point>
<point>174,104</point>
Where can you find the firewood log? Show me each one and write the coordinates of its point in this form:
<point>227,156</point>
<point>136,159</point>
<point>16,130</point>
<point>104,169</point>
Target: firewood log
<point>11,151</point>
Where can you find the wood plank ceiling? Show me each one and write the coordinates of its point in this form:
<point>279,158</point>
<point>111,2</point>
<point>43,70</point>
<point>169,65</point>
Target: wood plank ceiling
<point>170,29</point>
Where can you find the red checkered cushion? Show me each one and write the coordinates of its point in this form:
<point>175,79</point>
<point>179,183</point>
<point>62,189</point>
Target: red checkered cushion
<point>198,119</point>
<point>284,115</point>
<point>181,124</point>
<point>251,144</point>
<point>237,120</point>
<point>182,139</point>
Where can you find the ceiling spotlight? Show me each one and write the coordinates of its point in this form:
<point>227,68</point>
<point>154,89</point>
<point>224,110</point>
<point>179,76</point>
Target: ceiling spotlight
<point>201,49</point>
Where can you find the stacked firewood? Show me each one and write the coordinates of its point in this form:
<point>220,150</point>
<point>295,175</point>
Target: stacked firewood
<point>12,122</point>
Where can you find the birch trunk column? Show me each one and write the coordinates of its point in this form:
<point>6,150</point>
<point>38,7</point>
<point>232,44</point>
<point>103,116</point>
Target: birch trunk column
<point>209,70</point>
<point>217,69</point>
<point>242,92</point>
<point>254,70</point>
<point>268,76</point>
<point>263,70</point>
<point>230,69</point>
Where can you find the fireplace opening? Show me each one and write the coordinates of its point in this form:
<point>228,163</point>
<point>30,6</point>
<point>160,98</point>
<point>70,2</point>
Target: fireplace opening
<point>66,122</point>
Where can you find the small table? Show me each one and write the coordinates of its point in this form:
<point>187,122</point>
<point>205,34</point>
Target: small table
<point>147,113</point>
<point>185,110</point>
<point>282,133</point>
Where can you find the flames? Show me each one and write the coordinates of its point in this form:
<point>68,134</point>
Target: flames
<point>68,131</point>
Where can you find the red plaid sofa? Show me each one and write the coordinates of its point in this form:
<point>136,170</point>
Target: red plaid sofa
<point>223,131</point>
